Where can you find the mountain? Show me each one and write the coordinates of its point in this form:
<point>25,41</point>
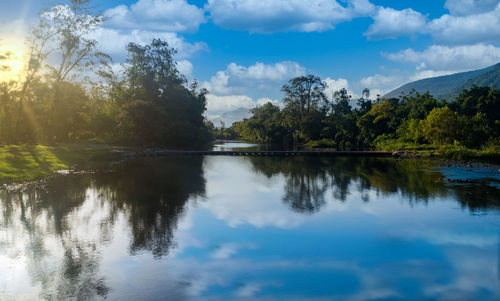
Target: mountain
<point>450,86</point>
<point>231,117</point>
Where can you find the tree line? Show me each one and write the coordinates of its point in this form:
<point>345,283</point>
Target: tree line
<point>69,92</point>
<point>309,117</point>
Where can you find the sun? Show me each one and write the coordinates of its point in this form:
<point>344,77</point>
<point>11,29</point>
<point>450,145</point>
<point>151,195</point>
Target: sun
<point>12,60</point>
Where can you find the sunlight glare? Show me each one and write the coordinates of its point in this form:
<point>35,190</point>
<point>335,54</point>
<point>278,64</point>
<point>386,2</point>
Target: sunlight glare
<point>12,60</point>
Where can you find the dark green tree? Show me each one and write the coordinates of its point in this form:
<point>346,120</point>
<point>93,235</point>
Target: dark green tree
<point>158,109</point>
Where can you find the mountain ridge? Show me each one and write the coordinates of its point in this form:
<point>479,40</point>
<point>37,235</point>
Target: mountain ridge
<point>450,86</point>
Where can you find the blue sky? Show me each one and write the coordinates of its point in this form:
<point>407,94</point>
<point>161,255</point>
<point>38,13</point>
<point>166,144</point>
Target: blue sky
<point>244,50</point>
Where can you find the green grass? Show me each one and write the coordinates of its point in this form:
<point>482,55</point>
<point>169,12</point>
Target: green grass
<point>488,153</point>
<point>30,162</point>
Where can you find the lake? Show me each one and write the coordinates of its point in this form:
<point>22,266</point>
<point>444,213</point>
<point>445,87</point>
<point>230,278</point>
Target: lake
<point>253,228</point>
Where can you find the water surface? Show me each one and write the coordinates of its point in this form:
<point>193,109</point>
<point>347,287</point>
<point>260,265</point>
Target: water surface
<point>243,228</point>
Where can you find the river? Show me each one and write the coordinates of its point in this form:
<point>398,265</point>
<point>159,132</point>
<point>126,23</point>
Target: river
<point>253,228</point>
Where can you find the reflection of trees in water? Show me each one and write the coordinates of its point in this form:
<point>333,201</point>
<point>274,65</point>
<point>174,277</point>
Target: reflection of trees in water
<point>309,178</point>
<point>62,257</point>
<point>38,226</point>
<point>154,194</point>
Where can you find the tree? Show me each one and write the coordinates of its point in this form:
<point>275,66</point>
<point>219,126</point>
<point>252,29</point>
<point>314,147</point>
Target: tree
<point>64,32</point>
<point>303,96</point>
<point>157,107</point>
<point>341,103</point>
<point>265,126</point>
<point>305,93</point>
<point>441,126</point>
<point>364,104</point>
<point>63,35</point>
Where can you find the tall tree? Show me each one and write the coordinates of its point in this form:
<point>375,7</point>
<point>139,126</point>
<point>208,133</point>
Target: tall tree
<point>158,108</point>
<point>305,93</point>
<point>63,34</point>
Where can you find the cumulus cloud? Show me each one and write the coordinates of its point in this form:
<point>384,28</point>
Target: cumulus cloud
<point>239,79</point>
<point>474,28</point>
<point>157,15</point>
<point>185,67</point>
<point>265,100</point>
<point>333,85</point>
<point>377,81</point>
<point>455,58</point>
<point>382,84</point>
<point>217,104</point>
<point>284,15</point>
<point>391,23</point>
<point>114,42</point>
<point>469,22</point>
<point>468,7</point>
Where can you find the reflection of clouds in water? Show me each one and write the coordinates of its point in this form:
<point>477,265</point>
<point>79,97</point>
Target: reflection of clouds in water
<point>470,276</point>
<point>439,237</point>
<point>225,251</point>
<point>242,241</point>
<point>200,277</point>
<point>46,258</point>
<point>235,196</point>
<point>248,290</point>
<point>239,197</point>
<point>253,199</point>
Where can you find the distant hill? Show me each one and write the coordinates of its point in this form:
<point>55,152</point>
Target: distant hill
<point>450,86</point>
<point>231,117</point>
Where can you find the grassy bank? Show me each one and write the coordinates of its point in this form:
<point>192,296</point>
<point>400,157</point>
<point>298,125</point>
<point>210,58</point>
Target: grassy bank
<point>489,153</point>
<point>29,162</point>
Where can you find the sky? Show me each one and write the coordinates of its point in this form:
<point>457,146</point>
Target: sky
<point>243,51</point>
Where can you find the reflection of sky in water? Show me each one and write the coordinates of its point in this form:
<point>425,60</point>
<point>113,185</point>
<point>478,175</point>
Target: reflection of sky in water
<point>242,241</point>
<point>233,145</point>
<point>491,176</point>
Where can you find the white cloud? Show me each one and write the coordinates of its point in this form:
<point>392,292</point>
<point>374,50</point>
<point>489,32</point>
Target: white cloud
<point>468,7</point>
<point>455,58</point>
<point>469,22</point>
<point>482,27</point>
<point>157,15</point>
<point>265,100</point>
<point>238,79</point>
<point>284,15</point>
<point>391,23</point>
<point>217,103</point>
<point>378,81</point>
<point>431,73</point>
<point>335,85</point>
<point>185,67</point>
<point>114,42</point>
<point>382,84</point>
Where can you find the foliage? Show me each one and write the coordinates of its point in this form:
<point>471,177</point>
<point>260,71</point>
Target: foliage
<point>418,121</point>
<point>156,108</point>
<point>150,104</point>
<point>265,126</point>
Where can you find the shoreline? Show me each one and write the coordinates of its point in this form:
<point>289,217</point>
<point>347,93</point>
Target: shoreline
<point>22,164</point>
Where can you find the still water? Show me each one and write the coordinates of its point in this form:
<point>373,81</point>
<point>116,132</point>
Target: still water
<point>242,228</point>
